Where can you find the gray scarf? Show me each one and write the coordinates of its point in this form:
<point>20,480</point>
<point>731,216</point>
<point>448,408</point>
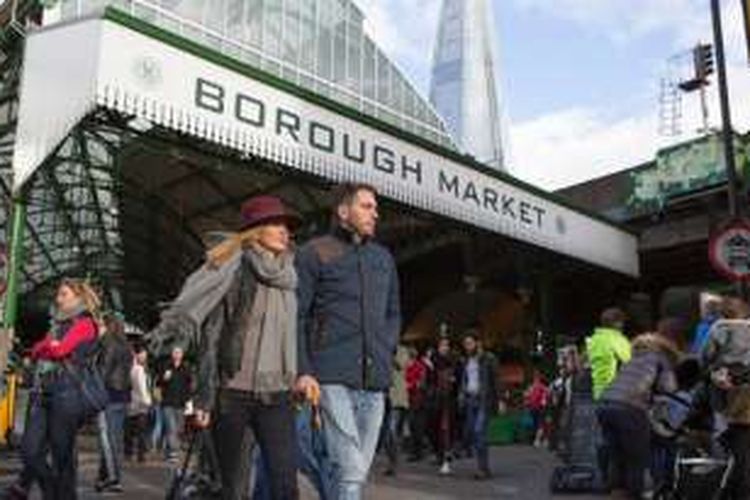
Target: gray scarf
<point>274,330</point>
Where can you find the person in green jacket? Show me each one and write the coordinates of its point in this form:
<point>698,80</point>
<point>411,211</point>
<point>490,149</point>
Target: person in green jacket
<point>608,349</point>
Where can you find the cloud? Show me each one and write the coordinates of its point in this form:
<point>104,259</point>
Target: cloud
<point>571,146</point>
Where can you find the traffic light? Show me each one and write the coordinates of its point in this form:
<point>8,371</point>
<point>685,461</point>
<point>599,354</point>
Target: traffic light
<point>703,56</point>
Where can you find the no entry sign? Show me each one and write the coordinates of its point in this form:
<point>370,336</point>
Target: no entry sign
<point>729,250</point>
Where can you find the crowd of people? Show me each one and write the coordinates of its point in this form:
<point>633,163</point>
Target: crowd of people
<point>447,398</point>
<point>283,360</point>
<point>669,383</point>
<point>270,328</point>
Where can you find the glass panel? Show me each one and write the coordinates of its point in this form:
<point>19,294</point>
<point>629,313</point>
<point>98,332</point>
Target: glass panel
<point>307,27</point>
<point>397,91</point>
<point>236,20</point>
<point>291,31</point>
<point>354,43</point>
<point>215,16</point>
<point>325,39</point>
<point>254,23</point>
<point>368,75</point>
<point>384,76</point>
<point>339,45</point>
<point>272,28</point>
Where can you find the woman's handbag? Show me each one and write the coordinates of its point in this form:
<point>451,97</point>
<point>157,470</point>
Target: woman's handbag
<point>90,383</point>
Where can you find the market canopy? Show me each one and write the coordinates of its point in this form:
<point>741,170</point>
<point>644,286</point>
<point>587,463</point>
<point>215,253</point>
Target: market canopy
<point>119,63</point>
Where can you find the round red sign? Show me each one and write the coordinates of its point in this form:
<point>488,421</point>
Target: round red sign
<point>729,250</point>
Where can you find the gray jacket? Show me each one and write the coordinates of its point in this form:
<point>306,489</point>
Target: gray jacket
<point>649,372</point>
<point>208,315</point>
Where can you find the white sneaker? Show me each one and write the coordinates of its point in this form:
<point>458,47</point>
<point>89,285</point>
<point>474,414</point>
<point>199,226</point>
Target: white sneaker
<point>445,469</point>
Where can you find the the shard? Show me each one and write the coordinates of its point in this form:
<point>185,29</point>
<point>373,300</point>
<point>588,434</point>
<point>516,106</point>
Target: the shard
<point>464,87</point>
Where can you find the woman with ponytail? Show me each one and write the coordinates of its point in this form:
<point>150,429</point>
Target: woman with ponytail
<point>56,413</point>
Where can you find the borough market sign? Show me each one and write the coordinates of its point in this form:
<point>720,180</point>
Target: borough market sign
<point>123,64</point>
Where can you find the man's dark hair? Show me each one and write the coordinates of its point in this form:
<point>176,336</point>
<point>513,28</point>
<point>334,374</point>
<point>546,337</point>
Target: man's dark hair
<point>345,193</point>
<point>471,334</point>
<point>613,318</point>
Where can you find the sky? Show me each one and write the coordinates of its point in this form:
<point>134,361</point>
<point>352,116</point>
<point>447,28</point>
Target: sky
<point>580,78</point>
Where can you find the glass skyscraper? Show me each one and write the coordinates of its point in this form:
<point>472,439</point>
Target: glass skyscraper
<point>464,80</point>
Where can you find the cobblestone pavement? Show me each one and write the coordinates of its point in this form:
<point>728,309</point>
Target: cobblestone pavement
<point>520,473</point>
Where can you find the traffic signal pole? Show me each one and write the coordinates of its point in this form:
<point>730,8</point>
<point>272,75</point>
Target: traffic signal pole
<point>727,134</point>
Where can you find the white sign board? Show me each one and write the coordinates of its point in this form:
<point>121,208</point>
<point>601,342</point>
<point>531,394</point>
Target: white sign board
<point>161,81</point>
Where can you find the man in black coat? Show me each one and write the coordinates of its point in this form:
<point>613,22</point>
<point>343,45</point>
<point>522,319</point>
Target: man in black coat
<point>115,362</point>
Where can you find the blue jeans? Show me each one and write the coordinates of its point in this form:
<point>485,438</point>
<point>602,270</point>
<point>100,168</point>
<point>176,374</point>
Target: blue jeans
<point>157,427</point>
<point>351,425</point>
<point>475,430</point>
<point>111,423</point>
<point>173,418</point>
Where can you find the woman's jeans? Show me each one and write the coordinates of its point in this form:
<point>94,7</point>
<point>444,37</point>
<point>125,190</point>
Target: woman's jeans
<point>55,416</point>
<point>243,420</point>
<point>396,420</point>
<point>351,424</point>
<point>627,434</point>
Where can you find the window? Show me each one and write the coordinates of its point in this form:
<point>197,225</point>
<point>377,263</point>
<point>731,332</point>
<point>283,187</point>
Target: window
<point>272,28</point>
<point>291,31</point>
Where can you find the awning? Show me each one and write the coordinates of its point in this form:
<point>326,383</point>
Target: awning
<point>129,66</point>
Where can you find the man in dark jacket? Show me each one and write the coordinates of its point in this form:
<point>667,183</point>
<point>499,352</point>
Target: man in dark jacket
<point>349,323</point>
<point>479,398</point>
<point>115,363</point>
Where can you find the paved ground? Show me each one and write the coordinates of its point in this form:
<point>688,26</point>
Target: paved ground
<point>521,473</point>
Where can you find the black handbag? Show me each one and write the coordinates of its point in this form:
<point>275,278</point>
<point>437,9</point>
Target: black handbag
<point>90,383</point>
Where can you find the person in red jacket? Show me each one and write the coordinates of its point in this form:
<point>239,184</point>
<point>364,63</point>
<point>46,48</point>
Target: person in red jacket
<point>56,413</point>
<point>417,373</point>
<point>536,400</point>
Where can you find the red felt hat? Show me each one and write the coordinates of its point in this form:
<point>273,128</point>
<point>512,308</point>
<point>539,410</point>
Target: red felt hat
<point>261,209</point>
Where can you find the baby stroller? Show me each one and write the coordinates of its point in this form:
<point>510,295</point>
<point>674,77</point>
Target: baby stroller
<point>700,464</point>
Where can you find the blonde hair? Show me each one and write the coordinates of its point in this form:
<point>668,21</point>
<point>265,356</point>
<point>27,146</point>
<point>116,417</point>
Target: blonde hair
<point>224,251</point>
<point>83,290</point>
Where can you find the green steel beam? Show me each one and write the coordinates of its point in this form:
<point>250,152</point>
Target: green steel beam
<point>15,262</point>
<point>32,231</point>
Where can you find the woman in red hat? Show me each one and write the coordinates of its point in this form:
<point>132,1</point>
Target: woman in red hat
<point>240,310</point>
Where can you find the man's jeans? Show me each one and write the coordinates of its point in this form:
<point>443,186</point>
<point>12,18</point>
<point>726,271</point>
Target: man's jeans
<point>111,423</point>
<point>173,419</point>
<point>475,431</point>
<point>351,423</point>
<point>156,439</point>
